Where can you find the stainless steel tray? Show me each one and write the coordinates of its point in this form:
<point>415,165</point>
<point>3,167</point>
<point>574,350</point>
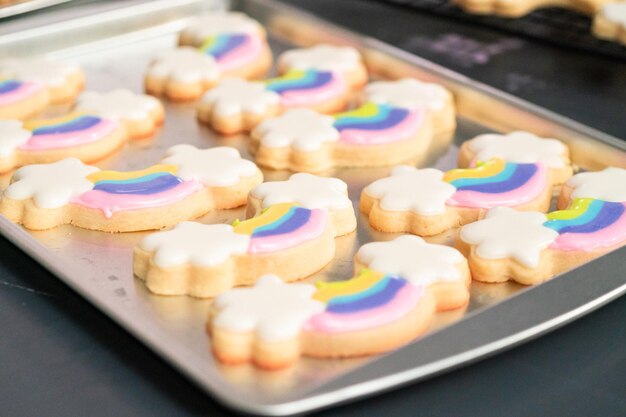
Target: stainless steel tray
<point>115,46</point>
<point>25,6</point>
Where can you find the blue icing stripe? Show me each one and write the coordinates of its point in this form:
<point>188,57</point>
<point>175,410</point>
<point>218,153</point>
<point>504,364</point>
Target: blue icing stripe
<point>378,299</point>
<point>392,117</point>
<point>504,175</point>
<point>592,211</point>
<point>7,86</point>
<point>608,214</point>
<point>523,173</point>
<point>312,79</point>
<point>293,220</point>
<point>150,184</point>
<point>80,123</point>
<point>350,298</point>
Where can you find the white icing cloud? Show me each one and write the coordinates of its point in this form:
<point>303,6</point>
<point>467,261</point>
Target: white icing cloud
<point>407,93</point>
<point>235,96</point>
<point>51,185</point>
<point>117,104</point>
<point>301,129</point>
<point>306,190</point>
<point>519,147</point>
<point>272,309</point>
<point>52,73</point>
<point>507,233</point>
<point>195,243</point>
<point>221,166</point>
<point>607,185</point>
<point>422,191</point>
<point>321,57</point>
<point>184,64</point>
<point>12,136</point>
<point>412,258</point>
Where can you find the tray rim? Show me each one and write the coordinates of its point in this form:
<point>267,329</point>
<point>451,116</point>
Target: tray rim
<point>350,389</point>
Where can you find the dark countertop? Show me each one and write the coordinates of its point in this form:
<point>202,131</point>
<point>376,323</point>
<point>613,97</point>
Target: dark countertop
<point>62,357</point>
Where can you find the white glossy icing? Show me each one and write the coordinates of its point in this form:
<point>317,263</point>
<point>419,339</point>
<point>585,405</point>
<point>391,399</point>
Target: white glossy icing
<point>507,233</point>
<point>607,185</point>
<point>117,104</point>
<point>615,12</point>
<point>12,136</point>
<point>519,147</point>
<point>306,190</point>
<point>271,309</point>
<point>413,258</point>
<point>184,64</point>
<point>301,129</point>
<point>407,93</point>
<point>51,185</point>
<point>221,166</point>
<point>422,191</point>
<point>322,57</point>
<point>196,244</point>
<point>235,96</point>
<point>213,24</point>
<point>52,73</point>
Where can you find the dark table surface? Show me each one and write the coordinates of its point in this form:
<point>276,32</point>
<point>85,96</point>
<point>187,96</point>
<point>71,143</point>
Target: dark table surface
<point>61,357</point>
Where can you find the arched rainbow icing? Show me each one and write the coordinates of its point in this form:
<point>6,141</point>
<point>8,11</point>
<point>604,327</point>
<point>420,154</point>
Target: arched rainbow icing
<point>282,226</point>
<point>73,129</point>
<point>588,224</point>
<point>12,91</point>
<point>369,300</point>
<point>373,124</point>
<point>307,87</point>
<point>232,50</point>
<point>152,187</point>
<point>496,183</point>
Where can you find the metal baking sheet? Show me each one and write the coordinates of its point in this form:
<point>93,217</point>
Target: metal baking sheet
<point>115,48</point>
<point>17,7</point>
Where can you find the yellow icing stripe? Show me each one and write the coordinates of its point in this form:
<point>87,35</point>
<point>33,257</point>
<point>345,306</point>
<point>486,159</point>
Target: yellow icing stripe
<point>363,281</point>
<point>576,208</point>
<point>34,124</point>
<point>129,175</point>
<point>482,170</point>
<point>268,216</point>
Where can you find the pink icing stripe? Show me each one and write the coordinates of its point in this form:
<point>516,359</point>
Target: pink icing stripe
<point>111,203</point>
<point>310,97</point>
<point>26,90</point>
<point>513,198</point>
<point>405,301</point>
<point>243,56</point>
<point>66,140</point>
<point>587,242</point>
<point>403,131</point>
<point>311,230</point>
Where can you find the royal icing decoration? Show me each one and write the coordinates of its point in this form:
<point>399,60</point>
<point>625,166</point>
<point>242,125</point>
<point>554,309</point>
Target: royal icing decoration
<point>221,166</point>
<point>51,185</point>
<point>422,191</point>
<point>282,226</point>
<point>411,257</point>
<point>195,243</point>
<point>305,88</point>
<point>152,187</point>
<point>232,51</point>
<point>407,93</point>
<point>588,225</point>
<point>13,91</point>
<point>507,233</point>
<point>520,147</point>
<point>376,124</point>
<point>271,309</point>
<point>615,12</point>
<point>370,300</point>
<point>12,136</point>
<point>607,185</point>
<point>51,73</point>
<point>216,24</point>
<point>235,96</point>
<point>117,104</point>
<point>301,129</point>
<point>306,190</point>
<point>185,65</point>
<point>322,57</point>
